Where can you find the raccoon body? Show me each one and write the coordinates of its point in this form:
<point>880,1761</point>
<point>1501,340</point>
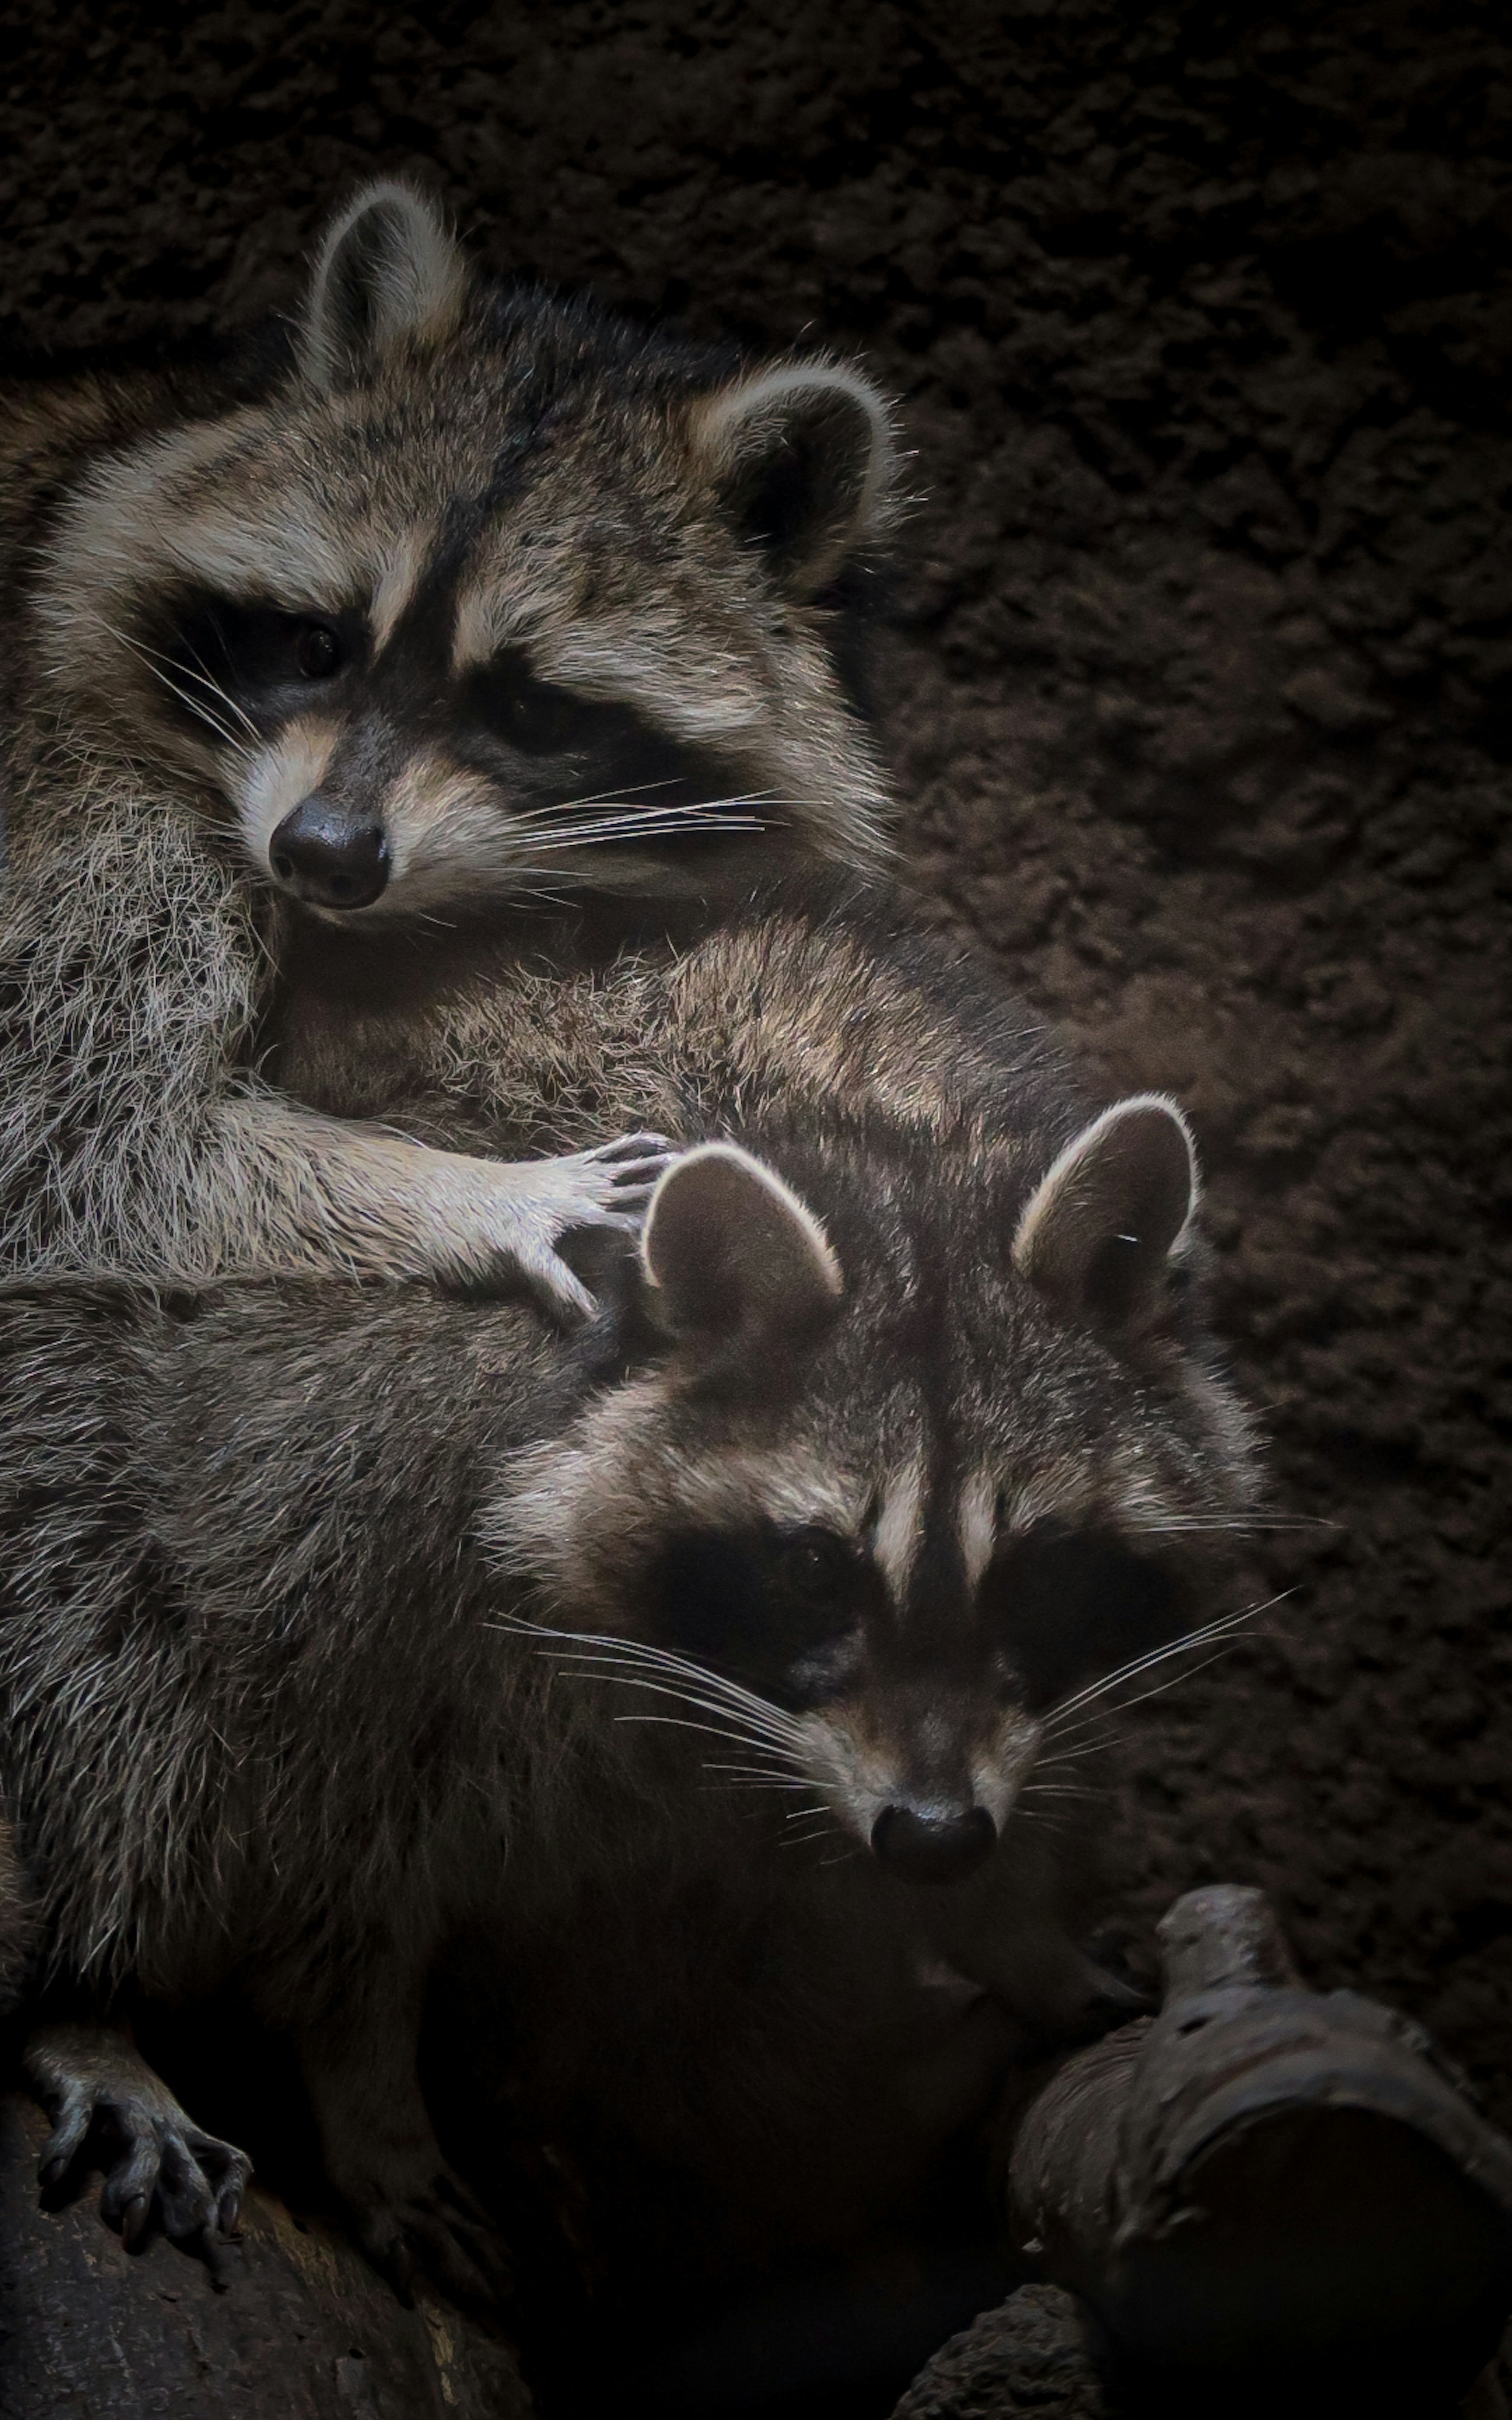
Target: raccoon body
<point>449,604</point>
<point>339,1621</point>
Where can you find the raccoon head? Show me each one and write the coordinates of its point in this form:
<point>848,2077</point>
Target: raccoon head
<point>894,1488</point>
<point>488,593</point>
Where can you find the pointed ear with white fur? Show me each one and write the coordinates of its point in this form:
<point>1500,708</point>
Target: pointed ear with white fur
<point>1102,1225</point>
<point>801,458</point>
<point>732,1258</point>
<point>387,273</point>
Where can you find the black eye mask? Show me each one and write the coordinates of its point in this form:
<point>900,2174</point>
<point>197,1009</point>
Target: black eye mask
<point>592,757</point>
<point>268,661</point>
<point>223,661</point>
<point>1065,1605</point>
<point>781,1611</point>
<point>595,768</point>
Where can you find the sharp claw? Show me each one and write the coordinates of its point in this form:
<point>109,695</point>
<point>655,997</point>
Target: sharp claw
<point>228,2212</point>
<point>134,2220</point>
<point>567,1293</point>
<point>63,2145</point>
<point>210,2253</point>
<point>646,1146</point>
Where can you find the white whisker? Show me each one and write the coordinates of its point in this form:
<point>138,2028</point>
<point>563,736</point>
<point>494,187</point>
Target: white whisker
<point>752,1777</point>
<point>1225,1627</point>
<point>627,1651</point>
<point>1074,1755</point>
<point>1236,1524</point>
<point>217,690</point>
<point>756,1731</point>
<point>635,823</point>
<point>628,792</point>
<point>1127,1705</point>
<point>196,706</point>
<point>679,1723</point>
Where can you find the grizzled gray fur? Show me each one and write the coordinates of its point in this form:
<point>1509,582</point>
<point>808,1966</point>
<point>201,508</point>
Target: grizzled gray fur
<point>897,1430</point>
<point>447,599</point>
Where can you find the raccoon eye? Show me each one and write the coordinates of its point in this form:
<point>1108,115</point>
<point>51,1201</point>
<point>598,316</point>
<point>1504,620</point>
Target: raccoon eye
<point>255,655</point>
<point>814,1565</point>
<point>538,718</point>
<point>782,1612</point>
<point>317,651</point>
<point>532,715</point>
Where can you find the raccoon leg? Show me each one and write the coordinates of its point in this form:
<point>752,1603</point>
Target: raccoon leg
<point>161,2170</point>
<point>295,1190</point>
<point>408,2210</point>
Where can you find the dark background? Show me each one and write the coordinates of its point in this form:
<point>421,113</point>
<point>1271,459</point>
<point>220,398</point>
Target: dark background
<point>1200,683</point>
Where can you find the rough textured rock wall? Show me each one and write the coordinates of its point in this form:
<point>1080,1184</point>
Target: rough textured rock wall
<point>1200,689</point>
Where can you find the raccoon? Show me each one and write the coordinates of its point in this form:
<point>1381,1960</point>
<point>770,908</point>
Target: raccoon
<point>897,1428</point>
<point>448,610</point>
<point>17,1922</point>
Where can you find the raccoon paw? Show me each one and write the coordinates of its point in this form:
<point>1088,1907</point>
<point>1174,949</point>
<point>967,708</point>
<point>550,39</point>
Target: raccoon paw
<point>162,2173</point>
<point>541,1200</point>
<point>630,1167</point>
<point>439,2231</point>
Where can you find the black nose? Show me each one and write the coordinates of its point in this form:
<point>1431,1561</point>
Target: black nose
<point>933,1848</point>
<point>328,855</point>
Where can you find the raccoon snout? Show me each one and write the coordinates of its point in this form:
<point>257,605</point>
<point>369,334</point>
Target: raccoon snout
<point>935,1848</point>
<point>326,854</point>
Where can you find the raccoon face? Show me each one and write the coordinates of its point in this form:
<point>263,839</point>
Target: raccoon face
<point>887,1507</point>
<point>491,595</point>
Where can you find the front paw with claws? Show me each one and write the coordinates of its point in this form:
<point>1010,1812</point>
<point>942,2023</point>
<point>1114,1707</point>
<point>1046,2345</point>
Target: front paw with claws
<point>534,1203</point>
<point>162,2174</point>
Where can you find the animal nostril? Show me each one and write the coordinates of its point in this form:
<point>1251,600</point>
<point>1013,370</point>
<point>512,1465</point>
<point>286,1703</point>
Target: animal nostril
<point>324,853</point>
<point>933,1848</point>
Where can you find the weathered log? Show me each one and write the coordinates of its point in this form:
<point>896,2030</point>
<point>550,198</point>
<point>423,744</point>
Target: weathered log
<point>1269,2186</point>
<point>303,2330</point>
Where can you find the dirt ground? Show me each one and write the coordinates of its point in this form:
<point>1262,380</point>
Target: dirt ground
<point>1200,677</point>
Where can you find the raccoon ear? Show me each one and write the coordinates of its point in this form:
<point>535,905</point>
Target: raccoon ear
<point>387,273</point>
<point>802,460</point>
<point>730,1254</point>
<point>1101,1226</point>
